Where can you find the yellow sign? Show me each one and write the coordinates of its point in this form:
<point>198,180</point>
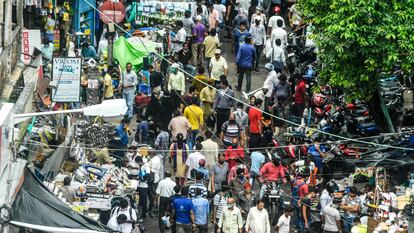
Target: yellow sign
<point>87,32</point>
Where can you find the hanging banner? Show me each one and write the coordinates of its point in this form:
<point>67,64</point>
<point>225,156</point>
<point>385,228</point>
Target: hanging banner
<point>66,79</point>
<point>30,40</point>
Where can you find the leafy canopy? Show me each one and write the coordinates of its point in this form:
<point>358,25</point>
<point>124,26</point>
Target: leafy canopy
<point>359,39</point>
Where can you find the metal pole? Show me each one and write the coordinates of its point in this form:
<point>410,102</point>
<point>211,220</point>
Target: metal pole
<point>26,115</point>
<point>110,47</point>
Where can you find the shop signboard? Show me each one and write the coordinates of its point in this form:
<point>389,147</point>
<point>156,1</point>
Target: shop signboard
<point>66,79</point>
<point>112,11</point>
<point>30,40</point>
<point>96,203</point>
<point>56,39</point>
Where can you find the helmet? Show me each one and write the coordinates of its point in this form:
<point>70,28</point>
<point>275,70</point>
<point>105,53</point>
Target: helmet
<point>277,10</point>
<point>318,99</point>
<point>202,162</point>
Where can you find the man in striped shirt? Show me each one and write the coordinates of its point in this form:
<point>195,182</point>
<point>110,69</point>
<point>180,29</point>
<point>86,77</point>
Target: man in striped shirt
<point>198,185</point>
<point>231,129</point>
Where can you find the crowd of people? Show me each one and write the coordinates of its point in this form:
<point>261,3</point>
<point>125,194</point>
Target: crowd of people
<point>211,167</point>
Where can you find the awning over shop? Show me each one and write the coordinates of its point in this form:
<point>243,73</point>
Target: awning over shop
<point>34,207</point>
<point>132,50</point>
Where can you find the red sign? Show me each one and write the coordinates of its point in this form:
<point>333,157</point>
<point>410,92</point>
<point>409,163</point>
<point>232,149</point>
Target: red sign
<point>112,12</point>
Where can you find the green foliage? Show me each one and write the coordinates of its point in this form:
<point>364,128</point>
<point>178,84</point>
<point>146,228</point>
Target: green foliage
<point>359,39</point>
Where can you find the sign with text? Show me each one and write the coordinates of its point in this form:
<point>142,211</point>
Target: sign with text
<point>30,40</point>
<point>66,78</point>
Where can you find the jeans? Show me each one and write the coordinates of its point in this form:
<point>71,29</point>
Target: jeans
<point>188,68</point>
<point>259,50</point>
<point>262,191</point>
<point>242,72</point>
<point>252,177</point>
<point>192,139</point>
<point>348,221</point>
<point>302,228</point>
<point>296,217</point>
<point>163,206</point>
<point>129,95</point>
<point>183,228</point>
<point>143,195</point>
<point>198,52</point>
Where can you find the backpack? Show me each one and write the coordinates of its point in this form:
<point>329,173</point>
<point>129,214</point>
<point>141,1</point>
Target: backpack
<point>295,194</point>
<point>117,211</point>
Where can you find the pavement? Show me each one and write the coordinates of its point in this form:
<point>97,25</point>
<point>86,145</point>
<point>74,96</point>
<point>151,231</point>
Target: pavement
<point>258,78</point>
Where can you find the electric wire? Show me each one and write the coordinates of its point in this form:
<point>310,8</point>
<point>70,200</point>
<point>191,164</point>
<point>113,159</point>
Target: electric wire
<point>237,100</point>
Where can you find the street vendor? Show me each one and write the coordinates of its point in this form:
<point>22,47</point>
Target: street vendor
<point>122,132</point>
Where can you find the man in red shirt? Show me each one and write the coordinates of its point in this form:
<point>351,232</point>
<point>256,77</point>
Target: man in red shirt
<point>271,172</point>
<point>234,153</point>
<point>300,96</point>
<point>255,124</point>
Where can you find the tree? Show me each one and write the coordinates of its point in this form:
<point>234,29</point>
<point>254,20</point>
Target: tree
<point>359,39</point>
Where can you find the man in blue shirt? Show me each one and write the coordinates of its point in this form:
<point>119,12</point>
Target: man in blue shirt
<point>258,160</point>
<point>240,35</point>
<point>201,212</point>
<point>141,135</point>
<point>121,131</point>
<point>88,51</point>
<point>183,213</point>
<point>318,153</point>
<point>244,61</point>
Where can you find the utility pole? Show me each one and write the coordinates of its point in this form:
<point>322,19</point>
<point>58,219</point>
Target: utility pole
<point>111,30</point>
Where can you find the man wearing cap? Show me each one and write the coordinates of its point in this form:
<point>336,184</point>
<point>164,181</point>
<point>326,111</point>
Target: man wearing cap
<point>198,38</point>
<point>270,83</point>
<point>211,43</point>
<point>259,36</point>
<point>176,83</point>
<point>218,66</point>
<point>273,20</point>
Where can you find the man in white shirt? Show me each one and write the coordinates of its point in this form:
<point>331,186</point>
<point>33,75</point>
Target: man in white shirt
<point>230,218</point>
<point>125,224</point>
<point>276,52</point>
<point>210,150</point>
<point>180,37</point>
<point>331,219</point>
<point>273,21</point>
<point>165,190</point>
<point>218,66</point>
<point>144,176</point>
<point>258,32</point>
<point>283,224</point>
<point>279,33</point>
<point>270,82</point>
<point>258,219</point>
<point>176,80</point>
<point>193,159</point>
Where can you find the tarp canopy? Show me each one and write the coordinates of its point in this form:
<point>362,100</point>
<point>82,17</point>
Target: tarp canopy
<point>35,206</point>
<point>132,50</point>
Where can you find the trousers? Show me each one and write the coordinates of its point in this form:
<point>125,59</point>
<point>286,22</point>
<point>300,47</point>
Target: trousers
<point>248,73</point>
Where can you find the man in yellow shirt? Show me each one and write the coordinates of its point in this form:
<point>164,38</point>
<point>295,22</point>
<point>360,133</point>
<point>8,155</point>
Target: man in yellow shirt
<point>194,114</point>
<point>211,43</point>
<point>109,88</point>
<point>207,97</point>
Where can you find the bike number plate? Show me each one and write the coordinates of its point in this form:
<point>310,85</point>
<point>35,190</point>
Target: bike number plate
<point>274,196</point>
